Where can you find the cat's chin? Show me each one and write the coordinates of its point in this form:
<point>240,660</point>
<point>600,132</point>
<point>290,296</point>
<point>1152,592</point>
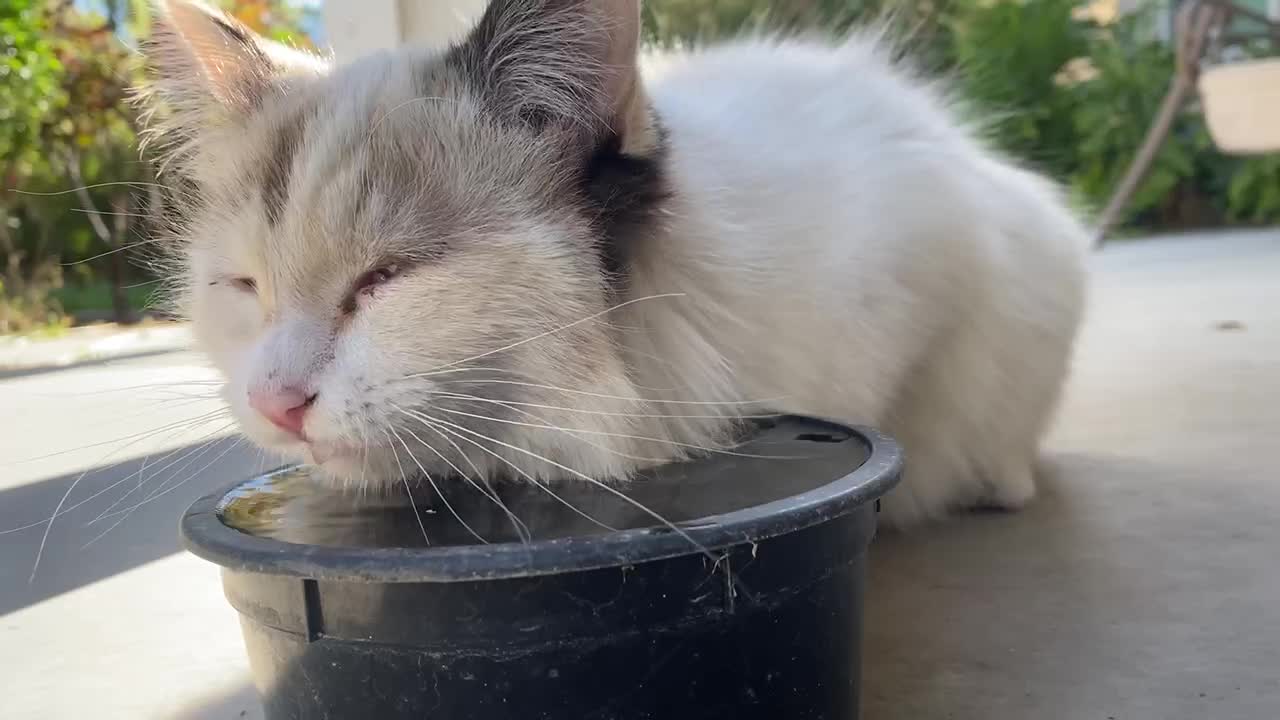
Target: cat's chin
<point>319,454</point>
<point>350,467</point>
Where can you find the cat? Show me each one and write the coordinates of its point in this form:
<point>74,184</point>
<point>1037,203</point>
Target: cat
<point>541,254</point>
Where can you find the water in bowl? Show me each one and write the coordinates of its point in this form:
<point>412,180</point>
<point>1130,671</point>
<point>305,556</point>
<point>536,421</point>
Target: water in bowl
<point>289,505</point>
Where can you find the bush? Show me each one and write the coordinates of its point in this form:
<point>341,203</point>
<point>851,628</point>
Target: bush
<point>1008,58</point>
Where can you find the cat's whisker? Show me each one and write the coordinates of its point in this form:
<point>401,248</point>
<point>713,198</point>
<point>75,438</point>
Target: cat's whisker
<point>126,512</point>
<point>140,473</point>
<point>604,396</point>
<point>71,508</point>
<point>521,529</point>
<point>209,445</point>
<point>556,330</point>
<point>405,479</point>
<point>467,458</point>
<point>142,480</point>
<point>608,413</point>
<point>165,488</point>
<point>447,371</point>
<point>95,186</point>
<point>170,403</point>
<point>509,371</point>
<point>59,396</point>
<point>435,487</point>
<point>204,443</point>
<point>429,422</point>
<point>141,386</point>
<point>569,432</point>
<point>62,501</point>
<point>604,433</point>
<point>113,251</point>
<point>587,478</point>
<point>112,213</point>
<point>136,438</point>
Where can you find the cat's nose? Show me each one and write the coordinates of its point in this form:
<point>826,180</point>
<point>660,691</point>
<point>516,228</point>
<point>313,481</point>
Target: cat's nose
<point>285,407</point>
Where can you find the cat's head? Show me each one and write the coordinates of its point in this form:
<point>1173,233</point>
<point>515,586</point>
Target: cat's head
<point>364,245</point>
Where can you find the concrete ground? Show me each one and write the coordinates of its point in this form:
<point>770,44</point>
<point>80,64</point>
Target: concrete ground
<point>1141,584</point>
<point>21,355</point>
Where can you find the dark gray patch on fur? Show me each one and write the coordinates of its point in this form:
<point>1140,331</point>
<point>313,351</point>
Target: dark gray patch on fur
<point>624,194</point>
<point>235,32</point>
<point>256,83</point>
<point>426,79</point>
<point>555,63</point>
<point>277,168</point>
<point>416,231</point>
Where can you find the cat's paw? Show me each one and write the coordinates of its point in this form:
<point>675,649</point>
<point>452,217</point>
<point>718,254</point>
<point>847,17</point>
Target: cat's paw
<point>1012,489</point>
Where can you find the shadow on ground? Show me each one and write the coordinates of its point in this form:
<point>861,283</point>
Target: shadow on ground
<point>239,703</point>
<point>74,556</point>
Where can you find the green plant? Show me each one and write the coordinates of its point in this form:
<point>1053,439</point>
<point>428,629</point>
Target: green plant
<point>1007,57</point>
<point>1253,193</point>
<point>1112,111</point>
<point>30,86</point>
<point>68,143</point>
<point>26,303</point>
<point>669,23</point>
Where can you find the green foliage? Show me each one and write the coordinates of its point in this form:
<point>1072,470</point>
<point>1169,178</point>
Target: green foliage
<point>30,95</point>
<point>1008,56</point>
<point>30,85</point>
<point>1253,194</point>
<point>1111,113</point>
<point>683,23</point>
<point>69,144</point>
<point>94,295</point>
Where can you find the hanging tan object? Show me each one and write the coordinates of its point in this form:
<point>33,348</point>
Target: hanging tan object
<point>1242,106</point>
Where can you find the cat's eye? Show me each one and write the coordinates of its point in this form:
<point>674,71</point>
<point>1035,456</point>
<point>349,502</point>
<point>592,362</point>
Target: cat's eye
<point>368,281</point>
<point>244,284</point>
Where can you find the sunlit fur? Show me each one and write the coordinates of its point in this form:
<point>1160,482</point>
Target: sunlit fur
<point>829,241</point>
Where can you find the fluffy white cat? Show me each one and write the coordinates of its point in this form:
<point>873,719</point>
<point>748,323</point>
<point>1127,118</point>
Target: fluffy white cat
<point>530,256</point>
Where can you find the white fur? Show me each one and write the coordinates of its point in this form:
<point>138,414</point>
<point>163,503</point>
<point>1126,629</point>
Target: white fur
<point>846,246</point>
<point>836,245</point>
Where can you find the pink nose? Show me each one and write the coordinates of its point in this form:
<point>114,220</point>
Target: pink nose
<point>286,407</point>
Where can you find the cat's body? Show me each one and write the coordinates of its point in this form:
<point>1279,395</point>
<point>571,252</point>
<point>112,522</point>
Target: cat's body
<point>845,246</point>
<point>522,256</point>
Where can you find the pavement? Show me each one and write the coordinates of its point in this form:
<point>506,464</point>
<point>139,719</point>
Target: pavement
<point>127,626</point>
<point>1141,584</point>
<point>21,355</point>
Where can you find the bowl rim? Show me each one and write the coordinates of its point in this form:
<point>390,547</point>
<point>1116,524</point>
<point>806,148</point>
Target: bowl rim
<point>206,536</point>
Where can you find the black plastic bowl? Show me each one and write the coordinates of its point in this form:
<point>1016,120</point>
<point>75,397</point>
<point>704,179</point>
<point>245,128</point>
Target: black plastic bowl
<point>751,609</point>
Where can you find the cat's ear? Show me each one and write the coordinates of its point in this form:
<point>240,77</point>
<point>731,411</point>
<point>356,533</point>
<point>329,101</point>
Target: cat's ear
<point>205,63</point>
<point>559,63</point>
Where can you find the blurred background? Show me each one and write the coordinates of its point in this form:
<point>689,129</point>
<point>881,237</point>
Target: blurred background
<point>1070,88</point>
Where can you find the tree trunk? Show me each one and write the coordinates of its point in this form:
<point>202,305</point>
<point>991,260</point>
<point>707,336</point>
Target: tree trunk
<point>115,247</point>
<point>10,277</point>
<point>116,263</point>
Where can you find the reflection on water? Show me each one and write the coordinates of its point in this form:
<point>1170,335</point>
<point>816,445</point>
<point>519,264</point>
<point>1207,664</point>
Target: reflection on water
<point>790,456</point>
